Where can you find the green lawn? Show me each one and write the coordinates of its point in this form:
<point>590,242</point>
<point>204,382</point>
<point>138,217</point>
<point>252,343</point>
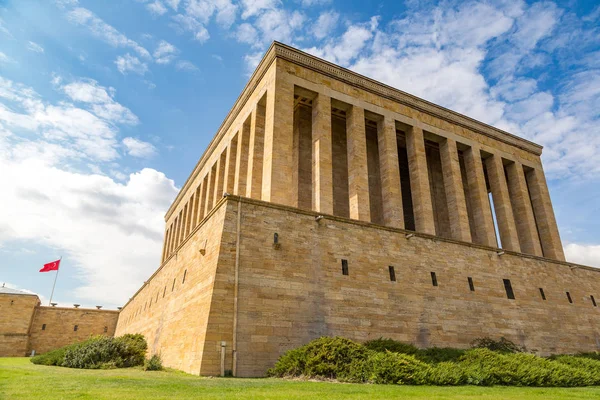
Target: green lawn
<point>19,379</point>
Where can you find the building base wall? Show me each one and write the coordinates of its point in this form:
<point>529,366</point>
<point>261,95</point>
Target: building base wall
<point>54,327</point>
<point>294,291</point>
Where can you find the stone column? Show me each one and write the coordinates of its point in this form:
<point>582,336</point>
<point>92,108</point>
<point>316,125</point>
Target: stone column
<point>173,234</point>
<point>256,154</point>
<point>230,164</point>
<point>209,189</point>
<point>164,251</point>
<point>393,214</point>
<point>241,160</point>
<point>502,205</point>
<point>455,192</point>
<point>219,178</point>
<point>188,216</point>
<point>322,157</point>
<point>419,181</point>
<point>202,206</point>
<point>197,204</point>
<point>521,204</point>
<point>279,138</point>
<point>358,173</point>
<point>544,215</point>
<point>480,202</point>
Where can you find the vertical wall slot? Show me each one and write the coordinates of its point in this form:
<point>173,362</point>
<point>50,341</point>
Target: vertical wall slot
<point>434,281</point>
<point>569,297</point>
<point>392,274</point>
<point>509,290</point>
<point>593,301</point>
<point>542,294</point>
<point>344,267</point>
<point>471,285</point>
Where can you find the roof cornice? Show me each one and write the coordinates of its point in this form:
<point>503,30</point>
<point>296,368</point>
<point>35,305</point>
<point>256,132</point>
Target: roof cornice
<point>370,85</point>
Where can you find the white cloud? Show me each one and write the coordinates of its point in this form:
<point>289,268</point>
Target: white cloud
<point>279,24</point>
<point>156,8</point>
<point>247,34</point>
<point>325,24</point>
<point>165,52</point>
<point>101,101</point>
<point>59,130</point>
<point>184,65</point>
<point>106,227</point>
<point>583,254</point>
<point>224,11</point>
<point>255,7</point>
<point>4,59</point>
<point>35,47</point>
<point>346,48</point>
<point>104,31</point>
<point>310,3</point>
<point>173,4</point>
<point>139,148</point>
<point>185,23</point>
<point>129,63</point>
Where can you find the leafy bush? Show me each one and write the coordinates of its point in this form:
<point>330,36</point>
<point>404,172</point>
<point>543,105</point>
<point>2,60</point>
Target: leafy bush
<point>332,358</point>
<point>402,369</point>
<point>503,345</point>
<point>132,349</point>
<point>153,363</point>
<point>98,352</point>
<point>54,357</point>
<point>439,354</point>
<point>447,374</point>
<point>385,344</point>
<point>485,367</point>
<point>581,362</point>
<point>386,361</point>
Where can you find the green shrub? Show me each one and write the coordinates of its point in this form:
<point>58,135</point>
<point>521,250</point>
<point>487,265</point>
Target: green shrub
<point>132,349</point>
<point>503,345</point>
<point>447,374</point>
<point>589,365</point>
<point>385,344</point>
<point>485,367</point>
<point>153,363</point>
<point>98,352</point>
<point>439,354</point>
<point>54,357</point>
<point>395,368</point>
<point>332,358</point>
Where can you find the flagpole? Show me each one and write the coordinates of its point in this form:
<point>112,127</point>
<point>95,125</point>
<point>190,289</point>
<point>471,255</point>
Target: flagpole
<point>53,286</point>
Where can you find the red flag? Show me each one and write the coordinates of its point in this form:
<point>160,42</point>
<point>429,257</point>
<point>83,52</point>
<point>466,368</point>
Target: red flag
<point>53,266</point>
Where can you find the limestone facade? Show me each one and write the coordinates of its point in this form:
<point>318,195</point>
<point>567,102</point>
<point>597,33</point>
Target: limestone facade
<point>315,164</point>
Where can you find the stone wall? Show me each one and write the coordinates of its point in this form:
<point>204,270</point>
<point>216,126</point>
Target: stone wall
<point>54,327</point>
<point>295,292</point>
<point>16,311</point>
<point>173,313</point>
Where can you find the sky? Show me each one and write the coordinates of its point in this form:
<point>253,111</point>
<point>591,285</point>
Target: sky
<point>105,108</point>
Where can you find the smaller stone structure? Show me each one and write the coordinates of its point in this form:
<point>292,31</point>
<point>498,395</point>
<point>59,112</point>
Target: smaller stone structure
<point>26,325</point>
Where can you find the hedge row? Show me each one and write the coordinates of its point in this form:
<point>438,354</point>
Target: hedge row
<point>385,361</point>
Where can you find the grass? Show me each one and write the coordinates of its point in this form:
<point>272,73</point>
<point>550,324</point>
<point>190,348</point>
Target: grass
<point>19,379</point>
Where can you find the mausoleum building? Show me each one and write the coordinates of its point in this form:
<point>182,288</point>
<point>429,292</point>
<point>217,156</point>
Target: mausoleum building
<point>331,204</point>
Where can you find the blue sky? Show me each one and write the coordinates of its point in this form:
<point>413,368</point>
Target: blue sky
<point>105,107</point>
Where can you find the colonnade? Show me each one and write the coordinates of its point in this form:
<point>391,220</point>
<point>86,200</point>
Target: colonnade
<point>288,149</point>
